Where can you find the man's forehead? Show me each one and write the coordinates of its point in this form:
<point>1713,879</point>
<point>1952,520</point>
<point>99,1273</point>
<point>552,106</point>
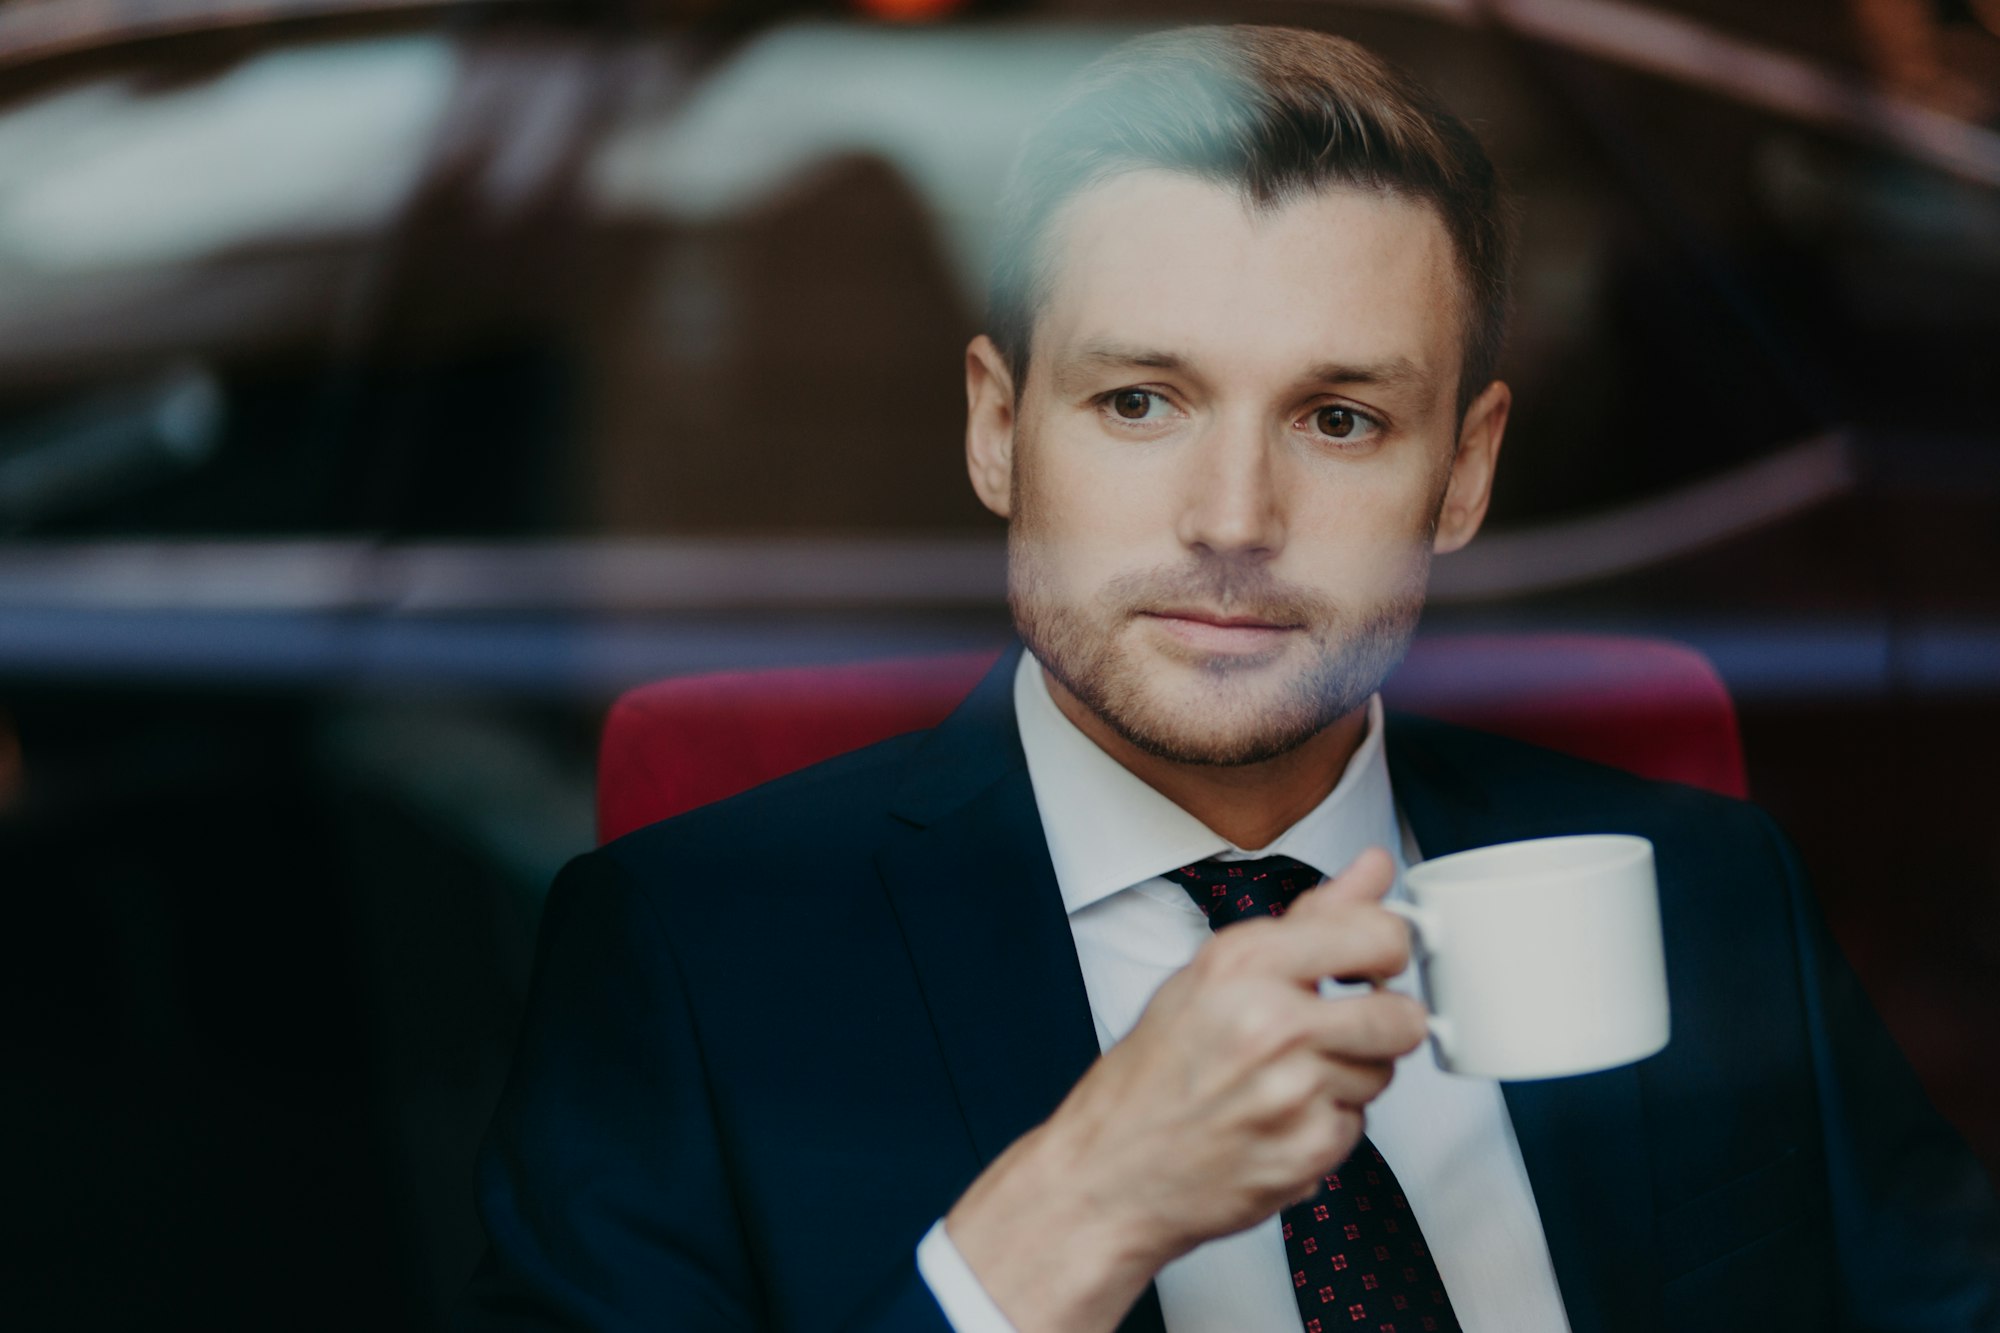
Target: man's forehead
<point>1167,265</point>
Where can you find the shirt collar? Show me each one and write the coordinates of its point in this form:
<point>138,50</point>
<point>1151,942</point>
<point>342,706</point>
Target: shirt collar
<point>1108,831</point>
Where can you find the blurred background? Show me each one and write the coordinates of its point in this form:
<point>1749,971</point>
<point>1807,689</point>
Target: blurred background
<point>386,385</point>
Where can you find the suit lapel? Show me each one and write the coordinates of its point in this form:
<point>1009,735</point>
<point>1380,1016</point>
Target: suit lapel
<point>968,874</point>
<point>1582,1139</point>
<point>977,901</point>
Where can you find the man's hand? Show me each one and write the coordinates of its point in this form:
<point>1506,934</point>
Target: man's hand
<point>1236,1091</point>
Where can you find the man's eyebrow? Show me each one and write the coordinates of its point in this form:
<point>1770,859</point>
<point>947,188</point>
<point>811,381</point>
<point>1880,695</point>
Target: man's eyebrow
<point>1394,373</point>
<point>1125,354</point>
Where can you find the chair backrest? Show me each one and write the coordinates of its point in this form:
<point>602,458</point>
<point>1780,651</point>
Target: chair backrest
<point>1655,708</point>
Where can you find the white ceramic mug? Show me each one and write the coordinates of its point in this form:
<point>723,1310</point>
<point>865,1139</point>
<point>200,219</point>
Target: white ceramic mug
<point>1541,958</point>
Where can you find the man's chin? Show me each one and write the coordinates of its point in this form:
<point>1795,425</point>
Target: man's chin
<point>1212,748</point>
<point>1214,714</point>
<point>1171,695</point>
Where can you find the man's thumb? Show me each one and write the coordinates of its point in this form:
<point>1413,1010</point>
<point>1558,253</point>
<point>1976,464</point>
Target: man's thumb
<point>1366,878</point>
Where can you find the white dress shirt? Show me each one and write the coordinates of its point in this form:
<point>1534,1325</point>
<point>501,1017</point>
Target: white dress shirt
<point>1447,1137</point>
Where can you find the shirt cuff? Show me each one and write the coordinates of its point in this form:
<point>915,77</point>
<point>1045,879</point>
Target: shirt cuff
<point>956,1287</point>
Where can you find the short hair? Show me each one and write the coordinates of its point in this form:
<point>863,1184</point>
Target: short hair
<point>1278,113</point>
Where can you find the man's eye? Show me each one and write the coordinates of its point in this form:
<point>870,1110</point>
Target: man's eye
<point>1134,404</point>
<point>1342,423</point>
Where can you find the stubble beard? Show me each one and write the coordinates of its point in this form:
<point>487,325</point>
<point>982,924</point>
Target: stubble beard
<point>1241,712</point>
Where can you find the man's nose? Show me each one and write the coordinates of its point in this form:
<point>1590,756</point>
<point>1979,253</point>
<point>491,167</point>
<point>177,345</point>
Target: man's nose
<point>1232,500</point>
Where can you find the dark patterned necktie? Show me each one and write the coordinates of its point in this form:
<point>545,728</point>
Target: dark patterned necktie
<point>1358,1260</point>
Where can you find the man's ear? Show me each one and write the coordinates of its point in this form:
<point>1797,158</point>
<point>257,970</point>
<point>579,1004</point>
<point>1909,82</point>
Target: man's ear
<point>1471,485</point>
<point>989,425</point>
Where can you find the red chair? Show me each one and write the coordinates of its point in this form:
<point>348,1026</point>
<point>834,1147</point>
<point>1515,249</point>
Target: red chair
<point>1655,708</point>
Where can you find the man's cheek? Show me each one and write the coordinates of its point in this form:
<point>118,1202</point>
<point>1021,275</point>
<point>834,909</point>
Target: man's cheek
<point>1384,539</point>
<point>1074,557</point>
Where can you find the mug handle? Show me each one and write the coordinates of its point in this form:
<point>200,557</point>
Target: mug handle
<point>1427,936</point>
<point>1426,926</point>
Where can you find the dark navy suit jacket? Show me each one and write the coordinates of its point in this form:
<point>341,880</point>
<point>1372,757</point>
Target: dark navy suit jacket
<point>770,1041</point>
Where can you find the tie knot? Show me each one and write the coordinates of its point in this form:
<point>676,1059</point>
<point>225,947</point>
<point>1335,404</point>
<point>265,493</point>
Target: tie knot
<point>1231,891</point>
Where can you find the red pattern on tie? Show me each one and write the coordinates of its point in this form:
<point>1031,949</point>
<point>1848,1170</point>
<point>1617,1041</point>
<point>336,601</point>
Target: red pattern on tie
<point>1358,1258</point>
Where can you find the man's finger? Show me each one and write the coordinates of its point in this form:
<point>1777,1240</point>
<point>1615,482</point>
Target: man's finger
<point>1341,939</point>
<point>1364,880</point>
<point>1379,1025</point>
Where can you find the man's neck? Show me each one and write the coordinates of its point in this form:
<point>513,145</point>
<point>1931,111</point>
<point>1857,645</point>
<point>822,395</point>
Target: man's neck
<point>1248,804</point>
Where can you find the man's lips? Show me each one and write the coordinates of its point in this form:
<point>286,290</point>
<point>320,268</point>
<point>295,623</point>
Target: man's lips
<point>1216,632</point>
<point>1201,617</point>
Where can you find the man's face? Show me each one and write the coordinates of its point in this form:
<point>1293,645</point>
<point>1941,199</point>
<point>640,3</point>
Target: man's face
<point>1232,458</point>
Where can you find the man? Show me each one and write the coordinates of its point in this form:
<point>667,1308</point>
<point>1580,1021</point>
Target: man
<point>962,1030</point>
